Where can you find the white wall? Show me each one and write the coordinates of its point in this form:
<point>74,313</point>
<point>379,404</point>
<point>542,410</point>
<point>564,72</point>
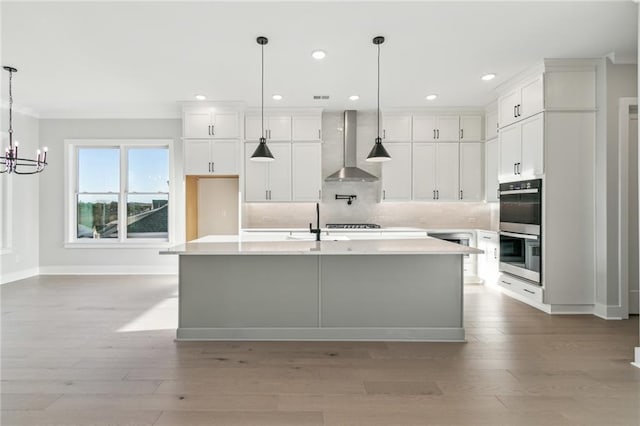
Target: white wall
<point>20,203</point>
<point>54,257</point>
<point>366,208</point>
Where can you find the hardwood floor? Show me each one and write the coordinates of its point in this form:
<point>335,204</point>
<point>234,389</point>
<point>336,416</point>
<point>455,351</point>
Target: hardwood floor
<point>99,350</point>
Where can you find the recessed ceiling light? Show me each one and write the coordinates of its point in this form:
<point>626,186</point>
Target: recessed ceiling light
<point>354,97</point>
<point>201,97</point>
<point>277,97</point>
<point>488,77</point>
<point>431,97</point>
<point>318,54</point>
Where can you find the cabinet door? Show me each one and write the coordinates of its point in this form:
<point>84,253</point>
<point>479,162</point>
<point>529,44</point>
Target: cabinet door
<point>255,175</point>
<point>491,125</point>
<point>532,162</point>
<point>507,108</point>
<point>531,98</point>
<point>280,172</point>
<point>424,128</point>
<point>196,157</point>
<point>396,128</point>
<point>225,157</point>
<point>471,128</point>
<point>396,174</point>
<point>279,128</point>
<point>447,171</point>
<point>424,171</point>
<point>491,170</point>
<point>253,128</point>
<point>471,171</point>
<point>225,125</point>
<point>306,165</point>
<point>306,127</point>
<point>510,152</point>
<point>197,124</point>
<point>448,128</point>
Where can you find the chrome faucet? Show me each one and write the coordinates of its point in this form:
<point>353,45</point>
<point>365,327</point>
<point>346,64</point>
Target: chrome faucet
<point>317,230</point>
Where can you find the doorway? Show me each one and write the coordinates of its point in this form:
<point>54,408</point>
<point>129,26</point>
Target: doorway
<point>212,206</point>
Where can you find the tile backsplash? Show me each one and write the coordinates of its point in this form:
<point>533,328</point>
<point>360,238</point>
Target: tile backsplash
<point>366,208</point>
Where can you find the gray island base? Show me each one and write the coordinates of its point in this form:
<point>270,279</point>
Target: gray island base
<point>388,290</point>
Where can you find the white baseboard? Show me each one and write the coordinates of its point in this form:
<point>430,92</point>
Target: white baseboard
<point>18,275</point>
<point>637,361</point>
<point>558,309</point>
<point>608,312</point>
<point>109,270</point>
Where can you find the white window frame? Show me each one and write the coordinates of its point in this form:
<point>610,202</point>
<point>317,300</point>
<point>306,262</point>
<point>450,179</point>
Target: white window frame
<point>71,147</point>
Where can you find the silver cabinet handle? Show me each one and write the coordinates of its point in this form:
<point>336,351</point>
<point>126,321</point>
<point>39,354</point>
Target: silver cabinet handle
<point>498,193</point>
<point>319,194</point>
<point>209,130</point>
<point>384,133</point>
<point>319,133</point>
<point>213,167</point>
<point>515,171</point>
<point>438,132</point>
<point>434,133</point>
<point>384,194</point>
<point>461,194</point>
<point>461,134</point>
<point>495,253</point>
<point>266,194</point>
<point>514,111</point>
<point>518,109</point>
<point>437,194</point>
<point>505,282</point>
<point>213,130</point>
<point>209,167</point>
<point>269,194</point>
<point>434,192</point>
<point>529,291</point>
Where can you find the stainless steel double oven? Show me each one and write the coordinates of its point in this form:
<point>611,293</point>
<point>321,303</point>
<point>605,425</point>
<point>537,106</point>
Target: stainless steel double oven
<point>521,229</point>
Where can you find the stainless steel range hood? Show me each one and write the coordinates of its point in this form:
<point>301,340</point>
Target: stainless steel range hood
<point>350,172</point>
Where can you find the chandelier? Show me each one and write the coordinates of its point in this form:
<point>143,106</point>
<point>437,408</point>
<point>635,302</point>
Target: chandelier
<point>11,162</point>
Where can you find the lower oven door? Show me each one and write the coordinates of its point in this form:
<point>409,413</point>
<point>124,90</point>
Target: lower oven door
<point>520,255</point>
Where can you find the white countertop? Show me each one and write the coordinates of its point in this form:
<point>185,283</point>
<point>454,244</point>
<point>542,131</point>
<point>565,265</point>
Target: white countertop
<point>240,245</point>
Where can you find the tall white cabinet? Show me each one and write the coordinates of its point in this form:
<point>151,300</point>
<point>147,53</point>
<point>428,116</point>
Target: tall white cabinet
<point>396,182</point>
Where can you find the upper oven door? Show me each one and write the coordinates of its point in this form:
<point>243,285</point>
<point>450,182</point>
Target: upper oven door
<point>521,206</point>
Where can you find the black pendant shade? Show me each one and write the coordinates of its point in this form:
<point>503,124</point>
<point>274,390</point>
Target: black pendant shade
<point>262,152</point>
<point>378,152</point>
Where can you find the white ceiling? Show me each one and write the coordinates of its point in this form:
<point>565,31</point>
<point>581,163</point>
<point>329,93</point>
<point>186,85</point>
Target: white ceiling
<point>119,59</point>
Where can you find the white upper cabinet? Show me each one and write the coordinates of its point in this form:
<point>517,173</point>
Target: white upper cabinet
<point>471,128</point>
<point>396,128</point>
<point>491,125</point>
<point>276,127</point>
<point>447,172</point>
<point>210,123</point>
<point>471,171</point>
<point>424,128</point>
<point>424,171</point>
<point>396,174</point>
<point>525,100</point>
<point>448,128</point>
<point>436,128</point>
<point>522,150</point>
<point>491,170</point>
<point>306,162</point>
<point>268,181</point>
<point>211,157</point>
<point>307,127</point>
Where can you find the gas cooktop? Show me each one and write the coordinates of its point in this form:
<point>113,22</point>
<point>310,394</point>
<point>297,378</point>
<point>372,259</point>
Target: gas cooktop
<point>352,226</point>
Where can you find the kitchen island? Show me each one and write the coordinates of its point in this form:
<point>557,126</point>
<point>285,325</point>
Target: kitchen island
<point>244,288</point>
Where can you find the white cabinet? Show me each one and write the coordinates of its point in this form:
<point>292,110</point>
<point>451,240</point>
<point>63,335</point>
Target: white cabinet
<point>307,127</point>
<point>428,128</point>
<point>471,128</point>
<point>306,159</point>
<point>396,128</point>
<point>491,125</point>
<point>435,171</point>
<point>524,101</point>
<point>276,127</point>
<point>211,157</point>
<point>491,170</point>
<point>488,262</point>
<point>396,174</point>
<point>471,171</point>
<point>521,150</point>
<point>268,181</point>
<point>210,123</point>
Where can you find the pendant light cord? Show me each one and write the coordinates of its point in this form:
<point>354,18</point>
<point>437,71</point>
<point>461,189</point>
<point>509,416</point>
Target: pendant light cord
<point>378,91</point>
<point>262,91</point>
<point>10,110</point>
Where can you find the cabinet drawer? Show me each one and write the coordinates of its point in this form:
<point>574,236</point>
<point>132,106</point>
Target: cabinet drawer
<point>521,288</point>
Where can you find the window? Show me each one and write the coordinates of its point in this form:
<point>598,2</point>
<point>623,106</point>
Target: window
<point>120,191</point>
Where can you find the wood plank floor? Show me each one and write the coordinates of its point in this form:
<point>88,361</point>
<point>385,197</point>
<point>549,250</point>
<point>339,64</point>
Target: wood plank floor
<point>99,350</point>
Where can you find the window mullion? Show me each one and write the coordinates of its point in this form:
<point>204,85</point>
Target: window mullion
<point>122,213</point>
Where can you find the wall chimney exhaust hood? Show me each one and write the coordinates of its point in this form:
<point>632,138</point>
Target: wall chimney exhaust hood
<point>350,172</point>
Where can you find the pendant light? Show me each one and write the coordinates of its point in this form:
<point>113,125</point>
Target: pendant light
<point>378,153</point>
<point>262,152</point>
<point>10,161</point>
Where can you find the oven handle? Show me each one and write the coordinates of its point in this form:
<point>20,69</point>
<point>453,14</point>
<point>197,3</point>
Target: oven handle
<point>520,191</point>
<point>523,236</point>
